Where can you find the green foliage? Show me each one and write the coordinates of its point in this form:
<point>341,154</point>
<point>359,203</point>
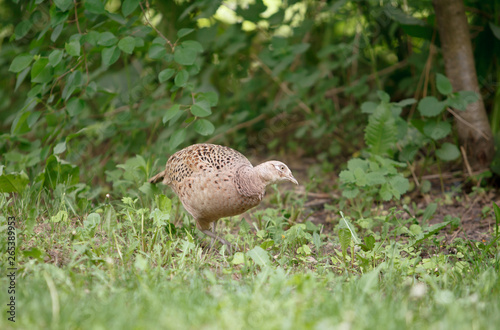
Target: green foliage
<point>386,130</point>
<point>92,91</point>
<point>376,176</point>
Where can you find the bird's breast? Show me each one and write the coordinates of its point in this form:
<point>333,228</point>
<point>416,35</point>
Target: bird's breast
<point>211,197</point>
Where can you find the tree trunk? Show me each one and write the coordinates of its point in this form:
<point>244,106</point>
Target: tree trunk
<point>476,137</point>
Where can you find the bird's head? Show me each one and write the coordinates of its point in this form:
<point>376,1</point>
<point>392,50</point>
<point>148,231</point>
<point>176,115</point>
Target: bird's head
<point>274,171</point>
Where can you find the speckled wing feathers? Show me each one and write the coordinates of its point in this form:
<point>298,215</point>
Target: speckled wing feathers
<point>202,158</point>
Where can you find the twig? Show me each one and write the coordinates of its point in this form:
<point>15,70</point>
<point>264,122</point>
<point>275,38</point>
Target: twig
<point>413,173</point>
<point>334,91</point>
<point>76,17</point>
<point>455,234</point>
<point>419,85</point>
<point>466,160</point>
<point>83,48</point>
<point>459,118</point>
<point>237,127</point>
<point>282,85</point>
<point>64,74</point>
<point>154,27</point>
<point>450,174</point>
<point>411,168</point>
<point>428,64</point>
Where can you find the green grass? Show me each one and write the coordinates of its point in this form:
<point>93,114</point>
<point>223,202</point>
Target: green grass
<point>124,266</point>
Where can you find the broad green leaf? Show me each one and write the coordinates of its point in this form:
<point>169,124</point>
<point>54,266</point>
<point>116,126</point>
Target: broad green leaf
<point>408,153</point>
<point>211,97</point>
<point>186,52</point>
<point>184,32</point>
<point>299,48</point>
<point>22,29</point>
<point>203,127</point>
<point>165,75</point>
<point>368,107</point>
<point>360,177</point>
<point>110,55</point>
<point>462,99</point>
<point>57,17</point>
<point>347,176</point>
<point>60,148</point>
<point>20,123</point>
<point>437,130</point>
<point>355,163</point>
<point>139,42</point>
<point>385,192</point>
<point>430,106</point>
<point>61,216</point>
<point>107,39</point>
<point>75,106</point>
<point>369,243</point>
<point>13,182</point>
<point>164,203</point>
<point>259,256</point>
<point>416,229</point>
<point>252,12</point>
<point>201,109</point>
<point>60,171</point>
<point>40,71</point>
<point>443,84</point>
<point>55,57</point>
<point>429,212</point>
<point>495,29</point>
<point>157,51</point>
<point>73,48</point>
<point>383,96</point>
<point>92,37</point>
<point>401,17</point>
<point>177,138</point>
<point>20,62</point>
<point>56,32</point>
<point>127,44</point>
<point>64,5</point>
<point>239,258</point>
<point>33,118</point>
<point>93,219</point>
<point>350,192</point>
<point>399,184</point>
<point>171,113</point>
<point>406,102</point>
<point>181,78</point>
<point>185,56</point>
<point>74,81</point>
<point>345,240</point>
<point>317,241</point>
<point>448,152</point>
<point>128,6</point>
<point>95,6</point>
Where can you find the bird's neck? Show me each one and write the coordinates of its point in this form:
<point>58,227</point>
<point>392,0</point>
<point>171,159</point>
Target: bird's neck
<point>251,181</point>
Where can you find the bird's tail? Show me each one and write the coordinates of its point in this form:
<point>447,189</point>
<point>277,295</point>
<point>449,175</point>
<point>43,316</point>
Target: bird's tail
<point>158,177</point>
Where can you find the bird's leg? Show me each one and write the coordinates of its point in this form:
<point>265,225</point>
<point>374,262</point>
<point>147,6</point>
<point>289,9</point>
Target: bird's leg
<point>213,236</point>
<point>214,225</point>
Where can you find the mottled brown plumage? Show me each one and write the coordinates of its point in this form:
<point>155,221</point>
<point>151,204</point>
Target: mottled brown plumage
<point>214,182</point>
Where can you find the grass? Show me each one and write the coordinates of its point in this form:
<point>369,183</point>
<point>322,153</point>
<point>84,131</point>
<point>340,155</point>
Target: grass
<point>124,265</point>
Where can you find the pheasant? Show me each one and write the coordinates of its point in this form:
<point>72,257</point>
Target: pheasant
<point>214,182</point>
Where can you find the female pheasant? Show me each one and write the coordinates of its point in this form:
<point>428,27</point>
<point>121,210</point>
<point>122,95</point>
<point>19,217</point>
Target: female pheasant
<point>214,182</point>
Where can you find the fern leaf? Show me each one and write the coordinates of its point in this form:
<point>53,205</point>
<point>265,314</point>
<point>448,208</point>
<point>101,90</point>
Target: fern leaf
<point>381,131</point>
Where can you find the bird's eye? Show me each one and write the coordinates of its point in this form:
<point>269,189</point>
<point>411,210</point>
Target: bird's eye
<point>282,167</point>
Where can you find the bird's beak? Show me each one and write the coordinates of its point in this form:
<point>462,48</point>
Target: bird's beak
<point>292,179</point>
